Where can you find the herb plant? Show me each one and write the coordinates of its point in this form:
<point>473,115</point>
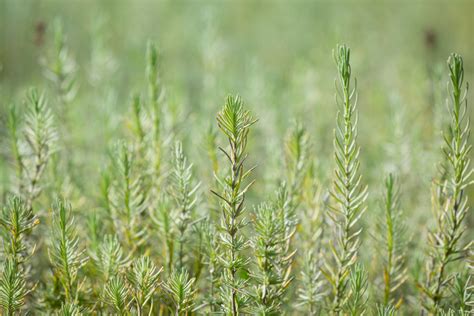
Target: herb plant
<point>122,195</point>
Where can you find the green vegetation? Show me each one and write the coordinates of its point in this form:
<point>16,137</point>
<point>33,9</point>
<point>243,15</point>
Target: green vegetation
<point>192,170</point>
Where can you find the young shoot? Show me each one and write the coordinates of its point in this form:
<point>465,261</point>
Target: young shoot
<point>183,189</point>
<point>391,237</point>
<point>234,121</point>
<point>65,254</point>
<point>180,288</point>
<point>348,193</point>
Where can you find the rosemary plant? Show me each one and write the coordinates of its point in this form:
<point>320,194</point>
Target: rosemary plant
<point>211,260</point>
<point>447,244</point>
<point>32,144</point>
<point>462,292</point>
<point>156,106</point>
<point>386,311</point>
<point>65,254</point>
<point>144,282</point>
<point>109,258</point>
<point>162,219</point>
<point>116,294</point>
<point>357,302</point>
<point>391,230</point>
<point>12,288</point>
<point>138,118</point>
<point>311,292</point>
<point>296,160</point>
<point>272,258</point>
<point>69,309</point>
<point>146,124</point>
<point>61,69</point>
<point>127,199</point>
<point>180,287</point>
<point>184,192</point>
<point>348,194</point>
<point>235,122</point>
<point>17,221</point>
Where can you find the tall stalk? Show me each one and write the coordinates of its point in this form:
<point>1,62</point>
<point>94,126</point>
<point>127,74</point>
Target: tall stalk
<point>391,231</point>
<point>348,194</point>
<point>234,121</point>
<point>446,241</point>
<point>183,189</point>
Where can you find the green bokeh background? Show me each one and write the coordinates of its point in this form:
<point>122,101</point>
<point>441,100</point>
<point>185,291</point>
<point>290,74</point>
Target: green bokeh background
<point>276,54</point>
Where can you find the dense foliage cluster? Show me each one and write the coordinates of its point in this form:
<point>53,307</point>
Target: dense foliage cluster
<point>160,235</point>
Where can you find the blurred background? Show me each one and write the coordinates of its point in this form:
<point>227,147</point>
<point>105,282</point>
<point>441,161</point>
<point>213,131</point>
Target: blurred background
<point>276,54</point>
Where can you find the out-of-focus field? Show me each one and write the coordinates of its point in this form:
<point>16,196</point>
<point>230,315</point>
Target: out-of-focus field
<point>276,55</point>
